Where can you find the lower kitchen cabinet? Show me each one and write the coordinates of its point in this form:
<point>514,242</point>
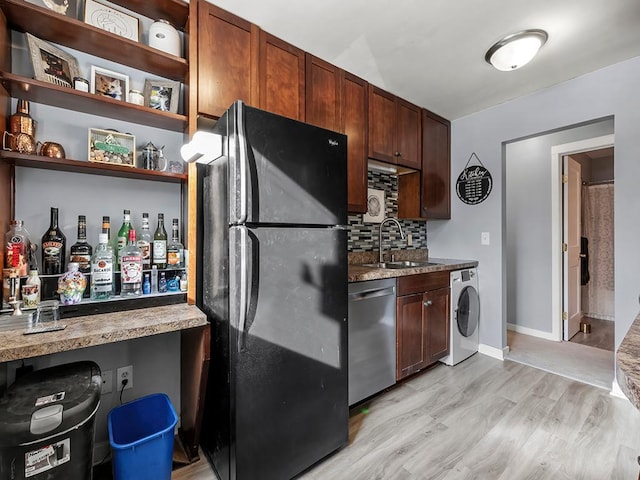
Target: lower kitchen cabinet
<point>422,321</point>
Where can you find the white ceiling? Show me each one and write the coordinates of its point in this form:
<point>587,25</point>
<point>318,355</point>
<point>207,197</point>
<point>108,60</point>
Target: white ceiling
<point>431,52</point>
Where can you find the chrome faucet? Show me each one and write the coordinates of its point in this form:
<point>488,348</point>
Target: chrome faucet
<point>388,219</point>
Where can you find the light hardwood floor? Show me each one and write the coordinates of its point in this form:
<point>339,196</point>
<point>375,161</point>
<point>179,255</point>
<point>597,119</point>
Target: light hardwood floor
<point>482,419</point>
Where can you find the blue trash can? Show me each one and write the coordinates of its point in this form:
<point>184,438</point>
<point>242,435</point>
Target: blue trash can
<point>141,437</point>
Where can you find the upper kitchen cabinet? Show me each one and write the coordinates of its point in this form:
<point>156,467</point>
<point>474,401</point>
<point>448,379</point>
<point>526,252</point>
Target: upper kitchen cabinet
<point>436,166</point>
<point>323,94</point>
<point>281,79</point>
<point>355,107</point>
<point>394,129</point>
<point>227,60</point>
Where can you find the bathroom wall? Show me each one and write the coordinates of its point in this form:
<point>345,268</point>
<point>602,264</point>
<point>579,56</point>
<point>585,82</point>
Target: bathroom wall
<point>363,236</point>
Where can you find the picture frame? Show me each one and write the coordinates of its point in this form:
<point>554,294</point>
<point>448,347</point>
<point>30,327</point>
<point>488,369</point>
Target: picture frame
<point>68,8</point>
<point>50,64</point>
<point>111,20</point>
<point>110,146</point>
<point>375,206</point>
<point>109,83</point>
<point>162,95</point>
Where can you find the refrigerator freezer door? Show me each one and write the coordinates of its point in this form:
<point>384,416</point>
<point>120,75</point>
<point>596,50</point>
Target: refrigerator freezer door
<point>290,368</point>
<point>285,172</point>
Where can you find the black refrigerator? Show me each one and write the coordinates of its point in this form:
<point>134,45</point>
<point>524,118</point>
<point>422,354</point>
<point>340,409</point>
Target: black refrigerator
<point>272,279</point>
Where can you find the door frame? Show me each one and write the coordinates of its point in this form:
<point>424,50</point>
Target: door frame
<point>557,287</point>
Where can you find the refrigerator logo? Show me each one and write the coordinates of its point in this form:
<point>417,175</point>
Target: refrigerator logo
<point>333,143</point>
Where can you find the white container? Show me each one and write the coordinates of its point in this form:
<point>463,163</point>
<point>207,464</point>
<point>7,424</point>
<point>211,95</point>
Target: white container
<point>163,36</point>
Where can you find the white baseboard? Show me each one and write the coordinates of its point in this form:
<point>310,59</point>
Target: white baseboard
<point>531,331</point>
<point>493,352</point>
<point>616,391</point>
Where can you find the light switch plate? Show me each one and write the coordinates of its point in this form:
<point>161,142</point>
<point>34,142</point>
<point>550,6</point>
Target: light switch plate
<point>485,238</point>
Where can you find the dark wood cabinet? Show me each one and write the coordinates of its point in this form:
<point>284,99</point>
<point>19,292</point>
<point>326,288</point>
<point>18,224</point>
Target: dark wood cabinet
<point>323,94</point>
<point>355,111</point>
<point>436,166</point>
<point>281,79</point>
<point>422,321</point>
<point>394,129</point>
<point>227,60</point>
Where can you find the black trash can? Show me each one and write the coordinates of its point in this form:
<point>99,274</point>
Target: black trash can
<point>47,420</point>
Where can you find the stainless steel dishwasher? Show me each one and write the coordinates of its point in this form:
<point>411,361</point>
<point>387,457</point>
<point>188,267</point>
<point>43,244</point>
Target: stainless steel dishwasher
<point>372,337</point>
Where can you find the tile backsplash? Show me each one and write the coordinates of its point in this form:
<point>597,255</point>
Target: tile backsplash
<point>363,236</point>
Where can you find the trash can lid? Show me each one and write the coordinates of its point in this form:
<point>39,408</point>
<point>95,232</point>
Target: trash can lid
<point>25,413</point>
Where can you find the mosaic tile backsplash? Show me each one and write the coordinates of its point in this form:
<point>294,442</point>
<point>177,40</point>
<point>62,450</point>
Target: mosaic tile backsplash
<point>363,236</point>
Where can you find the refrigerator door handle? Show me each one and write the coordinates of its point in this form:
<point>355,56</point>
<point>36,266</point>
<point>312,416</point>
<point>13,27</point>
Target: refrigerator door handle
<point>244,159</point>
<point>243,306</point>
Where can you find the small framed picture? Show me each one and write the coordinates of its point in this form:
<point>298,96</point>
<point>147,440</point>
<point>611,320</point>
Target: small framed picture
<point>375,206</point>
<point>109,84</point>
<point>110,146</point>
<point>50,64</point>
<point>68,8</point>
<point>111,20</point>
<point>162,95</point>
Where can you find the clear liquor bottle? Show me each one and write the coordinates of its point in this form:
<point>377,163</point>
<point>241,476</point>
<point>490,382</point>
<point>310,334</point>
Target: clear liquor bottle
<point>144,242</point>
<point>123,234</point>
<point>175,248</point>
<point>131,268</point>
<point>160,244</point>
<point>54,247</point>
<point>80,252</point>
<point>102,270</point>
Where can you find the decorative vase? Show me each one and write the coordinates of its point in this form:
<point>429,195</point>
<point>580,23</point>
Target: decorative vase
<point>71,285</point>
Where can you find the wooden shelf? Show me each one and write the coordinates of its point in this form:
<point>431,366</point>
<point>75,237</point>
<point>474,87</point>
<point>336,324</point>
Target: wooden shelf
<point>78,166</point>
<point>70,99</point>
<point>175,11</point>
<point>53,27</point>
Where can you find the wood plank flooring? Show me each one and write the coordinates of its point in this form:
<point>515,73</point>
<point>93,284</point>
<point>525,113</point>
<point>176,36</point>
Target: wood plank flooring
<point>482,419</point>
<point>602,334</point>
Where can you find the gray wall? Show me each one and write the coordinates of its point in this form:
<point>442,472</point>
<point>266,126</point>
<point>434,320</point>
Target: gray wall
<point>528,190</point>
<point>609,91</point>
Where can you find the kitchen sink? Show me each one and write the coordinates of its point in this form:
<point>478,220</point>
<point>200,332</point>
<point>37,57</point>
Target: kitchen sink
<point>401,264</point>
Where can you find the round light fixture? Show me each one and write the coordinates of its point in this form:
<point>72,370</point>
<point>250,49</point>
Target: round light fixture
<point>516,50</point>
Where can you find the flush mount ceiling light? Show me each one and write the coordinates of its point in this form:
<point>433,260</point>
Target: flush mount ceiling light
<point>516,50</point>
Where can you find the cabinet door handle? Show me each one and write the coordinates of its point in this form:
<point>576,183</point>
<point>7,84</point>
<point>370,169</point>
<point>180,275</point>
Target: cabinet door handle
<point>428,303</point>
<point>397,154</point>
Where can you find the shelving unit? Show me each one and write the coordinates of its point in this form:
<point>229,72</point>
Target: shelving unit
<point>67,31</point>
<point>78,166</point>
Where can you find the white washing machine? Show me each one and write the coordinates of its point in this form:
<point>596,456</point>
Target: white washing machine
<point>465,315</point>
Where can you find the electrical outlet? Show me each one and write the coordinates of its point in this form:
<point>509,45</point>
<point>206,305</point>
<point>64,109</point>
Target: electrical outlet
<point>107,381</point>
<point>409,240</point>
<point>485,238</point>
<point>124,373</point>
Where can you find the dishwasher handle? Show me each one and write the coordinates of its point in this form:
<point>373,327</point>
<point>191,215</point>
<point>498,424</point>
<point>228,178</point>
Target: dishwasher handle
<point>379,292</point>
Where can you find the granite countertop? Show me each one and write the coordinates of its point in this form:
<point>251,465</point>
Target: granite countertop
<point>628,363</point>
<point>99,329</point>
<point>358,273</point>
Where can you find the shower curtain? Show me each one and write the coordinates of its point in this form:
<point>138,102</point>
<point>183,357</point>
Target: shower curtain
<point>597,226</point>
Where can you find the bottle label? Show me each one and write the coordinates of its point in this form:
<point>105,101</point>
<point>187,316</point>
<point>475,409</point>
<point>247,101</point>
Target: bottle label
<point>174,258</point>
<point>52,255</point>
<point>145,248</point>
<point>159,251</point>
<point>131,269</point>
<point>102,273</point>
<point>83,261</point>
<point>16,255</point>
<point>122,242</point>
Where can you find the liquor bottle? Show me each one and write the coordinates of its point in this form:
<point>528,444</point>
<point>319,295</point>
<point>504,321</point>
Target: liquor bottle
<point>102,270</point>
<point>183,282</point>
<point>160,244</point>
<point>17,248</point>
<point>80,252</point>
<point>154,279</point>
<point>162,283</point>
<point>174,249</point>
<point>54,247</point>
<point>123,235</point>
<point>31,290</point>
<point>131,268</point>
<point>146,285</point>
<point>144,242</point>
<point>106,228</point>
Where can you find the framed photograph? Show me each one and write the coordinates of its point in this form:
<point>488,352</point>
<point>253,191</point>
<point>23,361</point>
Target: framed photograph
<point>51,64</point>
<point>68,8</point>
<point>375,206</point>
<point>110,146</point>
<point>162,95</point>
<point>109,84</point>
<point>111,20</point>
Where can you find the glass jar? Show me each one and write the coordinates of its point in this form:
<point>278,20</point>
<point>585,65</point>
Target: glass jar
<point>71,285</point>
<point>17,246</point>
<point>136,97</point>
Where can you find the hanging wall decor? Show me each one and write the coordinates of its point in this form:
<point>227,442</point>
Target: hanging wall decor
<point>474,182</point>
